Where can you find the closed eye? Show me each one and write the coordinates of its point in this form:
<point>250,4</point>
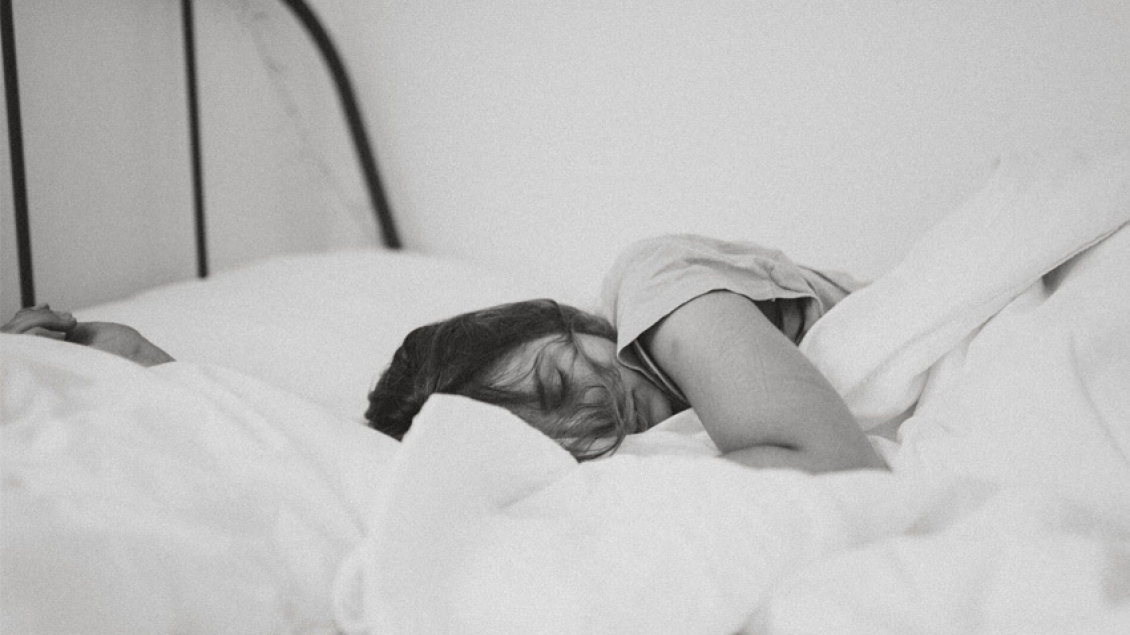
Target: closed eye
<point>551,389</point>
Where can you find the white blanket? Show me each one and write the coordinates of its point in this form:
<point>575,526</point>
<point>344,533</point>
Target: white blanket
<point>178,499</point>
<point>1015,368</point>
<point>1006,511</point>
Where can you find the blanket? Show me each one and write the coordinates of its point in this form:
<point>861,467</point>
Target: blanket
<point>1004,336</point>
<point>1001,344</point>
<point>179,499</point>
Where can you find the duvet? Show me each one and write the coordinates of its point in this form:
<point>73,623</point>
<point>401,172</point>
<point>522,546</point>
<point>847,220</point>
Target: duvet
<point>994,361</point>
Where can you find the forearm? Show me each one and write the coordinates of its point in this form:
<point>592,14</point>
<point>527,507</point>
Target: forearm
<point>797,420</point>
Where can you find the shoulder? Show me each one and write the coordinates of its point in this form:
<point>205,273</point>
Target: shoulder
<point>692,247</point>
<point>653,277</point>
<point>672,254</point>
<point>677,260</point>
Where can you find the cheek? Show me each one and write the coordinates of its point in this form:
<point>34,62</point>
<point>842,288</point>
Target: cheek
<point>636,392</point>
<point>662,406</point>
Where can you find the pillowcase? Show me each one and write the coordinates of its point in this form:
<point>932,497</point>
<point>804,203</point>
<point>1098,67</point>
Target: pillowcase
<point>322,326</point>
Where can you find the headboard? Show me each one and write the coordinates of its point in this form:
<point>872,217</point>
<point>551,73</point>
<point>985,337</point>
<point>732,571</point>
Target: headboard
<point>328,52</point>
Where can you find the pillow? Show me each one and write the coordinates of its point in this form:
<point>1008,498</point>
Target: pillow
<point>322,326</point>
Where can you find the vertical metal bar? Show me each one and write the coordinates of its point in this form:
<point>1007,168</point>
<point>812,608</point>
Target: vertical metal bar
<point>16,154</point>
<point>187,22</point>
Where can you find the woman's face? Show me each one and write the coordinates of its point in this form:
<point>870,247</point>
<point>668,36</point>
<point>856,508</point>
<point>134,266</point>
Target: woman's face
<point>561,361</point>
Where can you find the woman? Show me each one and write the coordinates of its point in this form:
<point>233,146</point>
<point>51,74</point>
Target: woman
<point>699,323</point>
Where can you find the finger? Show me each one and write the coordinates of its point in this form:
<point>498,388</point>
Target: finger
<point>49,334</point>
<point>57,320</point>
<point>29,310</point>
<point>40,316</point>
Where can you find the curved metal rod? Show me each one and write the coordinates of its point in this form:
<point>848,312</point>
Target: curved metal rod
<point>353,118</point>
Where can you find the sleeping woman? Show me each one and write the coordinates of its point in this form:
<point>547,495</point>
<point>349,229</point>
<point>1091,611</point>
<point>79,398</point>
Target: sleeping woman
<point>685,322</point>
<point>699,323</point>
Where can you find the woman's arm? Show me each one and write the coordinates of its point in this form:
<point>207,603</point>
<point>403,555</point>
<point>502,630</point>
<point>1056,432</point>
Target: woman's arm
<point>760,400</point>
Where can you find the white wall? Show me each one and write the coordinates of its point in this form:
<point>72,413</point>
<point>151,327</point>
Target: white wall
<point>541,137</point>
<point>554,133</point>
<point>270,187</point>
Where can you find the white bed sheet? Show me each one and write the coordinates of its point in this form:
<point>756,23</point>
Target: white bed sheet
<point>179,499</point>
<point>218,493</point>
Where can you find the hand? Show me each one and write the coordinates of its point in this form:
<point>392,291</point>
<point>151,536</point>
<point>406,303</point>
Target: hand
<point>41,321</point>
<point>120,340</point>
<point>117,339</point>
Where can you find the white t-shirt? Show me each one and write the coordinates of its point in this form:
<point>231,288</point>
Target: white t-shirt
<point>654,277</point>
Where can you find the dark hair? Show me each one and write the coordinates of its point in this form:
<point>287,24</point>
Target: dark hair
<point>466,355</point>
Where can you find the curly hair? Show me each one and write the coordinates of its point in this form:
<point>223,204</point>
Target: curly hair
<point>468,355</point>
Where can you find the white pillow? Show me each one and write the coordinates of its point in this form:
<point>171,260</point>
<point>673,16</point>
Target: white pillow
<point>321,326</point>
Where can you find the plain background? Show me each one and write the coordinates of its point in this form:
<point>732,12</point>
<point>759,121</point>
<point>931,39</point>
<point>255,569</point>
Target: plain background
<point>540,137</point>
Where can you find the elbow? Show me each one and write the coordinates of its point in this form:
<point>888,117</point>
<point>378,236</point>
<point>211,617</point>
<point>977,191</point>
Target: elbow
<point>867,459</point>
<point>844,454</point>
<point>814,460</point>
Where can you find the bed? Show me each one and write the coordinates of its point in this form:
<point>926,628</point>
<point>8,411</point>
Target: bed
<point>237,490</point>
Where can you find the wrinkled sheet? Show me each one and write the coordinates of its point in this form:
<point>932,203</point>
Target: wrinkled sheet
<point>1003,338</point>
<point>1004,335</point>
<point>179,499</point>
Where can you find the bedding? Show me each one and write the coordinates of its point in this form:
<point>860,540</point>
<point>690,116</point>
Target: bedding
<point>182,498</point>
<point>235,490</point>
<point>1007,508</point>
<point>1005,335</point>
<point>322,326</point>
<point>209,495</point>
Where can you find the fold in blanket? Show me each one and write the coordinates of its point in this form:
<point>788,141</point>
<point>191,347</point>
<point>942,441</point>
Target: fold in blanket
<point>1037,211</point>
<point>1005,333</point>
<point>182,498</point>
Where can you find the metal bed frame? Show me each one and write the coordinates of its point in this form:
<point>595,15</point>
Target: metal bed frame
<point>342,84</point>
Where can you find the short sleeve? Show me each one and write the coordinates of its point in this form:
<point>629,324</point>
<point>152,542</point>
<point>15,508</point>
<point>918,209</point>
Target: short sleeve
<point>654,277</point>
